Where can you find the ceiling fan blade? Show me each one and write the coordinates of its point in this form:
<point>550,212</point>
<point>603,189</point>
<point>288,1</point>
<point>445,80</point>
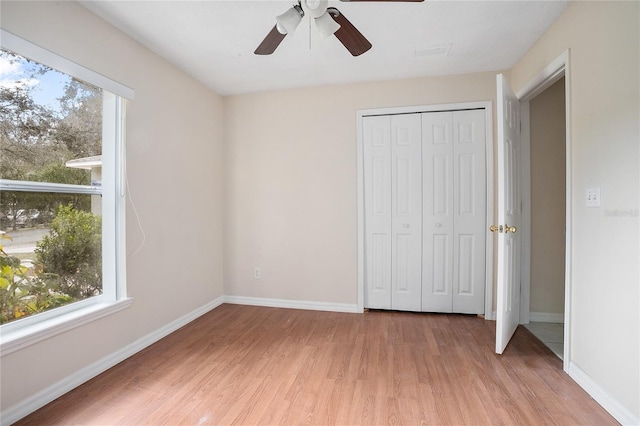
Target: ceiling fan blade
<point>349,35</point>
<point>270,42</point>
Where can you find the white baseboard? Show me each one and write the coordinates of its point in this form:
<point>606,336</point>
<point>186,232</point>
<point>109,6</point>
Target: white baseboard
<point>546,317</point>
<point>42,398</point>
<point>292,304</point>
<point>620,413</point>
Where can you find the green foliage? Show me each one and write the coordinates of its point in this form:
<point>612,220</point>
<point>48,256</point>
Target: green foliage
<point>22,294</point>
<point>72,252</point>
<point>80,129</point>
<point>26,133</point>
<point>59,173</point>
<point>46,203</point>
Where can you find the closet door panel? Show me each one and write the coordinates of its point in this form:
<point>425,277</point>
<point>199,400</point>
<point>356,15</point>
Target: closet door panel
<point>377,204</point>
<point>406,217</point>
<point>425,207</point>
<point>469,211</point>
<point>437,217</point>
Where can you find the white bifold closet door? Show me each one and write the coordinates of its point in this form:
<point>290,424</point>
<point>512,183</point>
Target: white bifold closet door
<point>424,200</point>
<point>393,205</point>
<point>453,217</point>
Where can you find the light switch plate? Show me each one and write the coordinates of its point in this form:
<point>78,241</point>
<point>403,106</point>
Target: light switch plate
<point>593,197</point>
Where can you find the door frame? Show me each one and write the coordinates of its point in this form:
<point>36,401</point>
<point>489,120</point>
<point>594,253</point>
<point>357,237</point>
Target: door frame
<point>488,110</point>
<point>550,74</point>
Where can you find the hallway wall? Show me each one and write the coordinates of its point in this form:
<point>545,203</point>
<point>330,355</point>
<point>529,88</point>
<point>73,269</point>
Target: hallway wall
<point>548,158</point>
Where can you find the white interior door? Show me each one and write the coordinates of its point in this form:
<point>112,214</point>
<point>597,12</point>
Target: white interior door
<point>377,205</point>
<point>406,216</point>
<point>509,214</point>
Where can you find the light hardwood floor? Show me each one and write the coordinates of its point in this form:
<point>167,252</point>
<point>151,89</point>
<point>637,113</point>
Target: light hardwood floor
<point>250,365</point>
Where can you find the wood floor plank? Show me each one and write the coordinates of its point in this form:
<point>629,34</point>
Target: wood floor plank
<point>248,365</point>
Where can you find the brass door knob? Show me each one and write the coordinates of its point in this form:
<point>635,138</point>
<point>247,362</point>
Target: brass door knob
<point>511,229</point>
<point>495,228</point>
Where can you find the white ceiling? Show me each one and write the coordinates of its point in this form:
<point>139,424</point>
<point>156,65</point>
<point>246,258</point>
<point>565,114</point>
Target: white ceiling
<point>214,40</point>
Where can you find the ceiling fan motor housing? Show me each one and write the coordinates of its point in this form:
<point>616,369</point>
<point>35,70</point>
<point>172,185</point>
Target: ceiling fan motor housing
<point>314,8</point>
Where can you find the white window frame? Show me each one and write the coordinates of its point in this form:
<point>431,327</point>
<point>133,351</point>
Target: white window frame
<point>27,331</point>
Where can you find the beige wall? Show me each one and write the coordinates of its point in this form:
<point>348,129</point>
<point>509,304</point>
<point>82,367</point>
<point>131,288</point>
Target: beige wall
<point>547,112</point>
<point>174,158</point>
<point>290,182</point>
<point>604,41</point>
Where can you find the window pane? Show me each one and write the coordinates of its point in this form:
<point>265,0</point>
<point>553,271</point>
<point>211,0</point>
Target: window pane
<point>52,251</point>
<point>50,124</point>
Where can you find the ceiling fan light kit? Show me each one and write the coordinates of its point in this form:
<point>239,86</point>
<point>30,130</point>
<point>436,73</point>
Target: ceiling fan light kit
<point>329,21</point>
<point>326,25</point>
<point>289,21</point>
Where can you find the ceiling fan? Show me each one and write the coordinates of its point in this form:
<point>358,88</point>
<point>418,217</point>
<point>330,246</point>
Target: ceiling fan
<point>329,21</point>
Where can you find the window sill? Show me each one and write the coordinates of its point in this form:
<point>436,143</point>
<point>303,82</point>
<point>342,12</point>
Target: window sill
<point>27,336</point>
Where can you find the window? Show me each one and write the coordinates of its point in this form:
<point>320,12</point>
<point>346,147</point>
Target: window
<point>61,192</point>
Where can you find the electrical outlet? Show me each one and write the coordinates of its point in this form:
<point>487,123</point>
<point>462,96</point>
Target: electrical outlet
<point>593,197</point>
<point>257,274</point>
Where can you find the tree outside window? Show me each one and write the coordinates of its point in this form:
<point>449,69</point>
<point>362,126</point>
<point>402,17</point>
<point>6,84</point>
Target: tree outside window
<point>50,133</point>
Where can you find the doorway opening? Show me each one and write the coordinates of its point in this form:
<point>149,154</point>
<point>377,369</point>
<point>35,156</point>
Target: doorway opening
<point>558,70</point>
<point>547,153</point>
